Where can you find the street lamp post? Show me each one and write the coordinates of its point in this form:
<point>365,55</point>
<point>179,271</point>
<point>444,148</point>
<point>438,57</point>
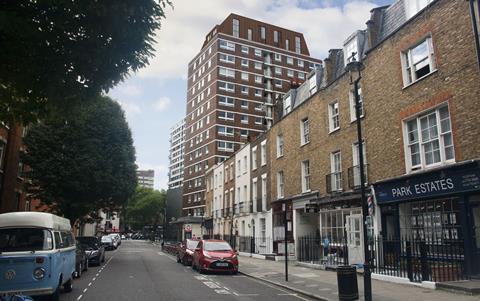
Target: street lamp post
<point>354,68</point>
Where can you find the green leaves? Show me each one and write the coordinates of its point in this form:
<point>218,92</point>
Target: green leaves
<point>145,208</point>
<point>84,162</point>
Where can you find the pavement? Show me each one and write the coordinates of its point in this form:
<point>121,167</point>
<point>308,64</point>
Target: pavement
<point>138,270</point>
<point>322,285</point>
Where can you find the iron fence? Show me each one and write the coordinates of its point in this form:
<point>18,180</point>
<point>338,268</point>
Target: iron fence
<point>317,250</point>
<point>419,259</point>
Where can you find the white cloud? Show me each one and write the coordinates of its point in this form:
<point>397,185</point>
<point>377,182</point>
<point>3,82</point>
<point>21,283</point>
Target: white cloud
<point>128,89</point>
<point>184,28</point>
<point>130,108</point>
<point>162,104</point>
<point>161,174</point>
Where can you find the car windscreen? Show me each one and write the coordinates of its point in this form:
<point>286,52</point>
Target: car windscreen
<point>88,242</point>
<point>217,246</point>
<point>25,239</point>
<point>192,244</point>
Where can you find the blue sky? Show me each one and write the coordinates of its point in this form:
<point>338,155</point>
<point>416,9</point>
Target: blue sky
<point>154,98</point>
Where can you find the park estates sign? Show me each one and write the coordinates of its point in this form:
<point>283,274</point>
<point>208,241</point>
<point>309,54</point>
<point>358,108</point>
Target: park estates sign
<point>450,180</point>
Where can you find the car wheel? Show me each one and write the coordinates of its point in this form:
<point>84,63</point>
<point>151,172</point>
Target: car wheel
<point>85,266</point>
<point>68,286</point>
<point>103,258</point>
<point>178,259</point>
<point>184,262</point>
<point>78,273</point>
<point>55,296</point>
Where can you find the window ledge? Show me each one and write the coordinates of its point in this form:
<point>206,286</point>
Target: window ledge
<point>281,156</point>
<point>306,191</point>
<point>302,145</point>
<point>355,120</point>
<point>419,79</point>
<point>334,130</point>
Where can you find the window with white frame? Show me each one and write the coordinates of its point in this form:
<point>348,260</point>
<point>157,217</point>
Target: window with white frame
<point>244,76</point>
<point>305,176</point>
<point>258,92</point>
<point>244,104</point>
<point>280,185</point>
<point>244,62</point>
<point>244,89</point>
<point>412,7</point>
<point>289,60</point>
<point>263,230</point>
<point>304,131</point>
<point>258,66</point>
<point>227,45</point>
<point>258,120</point>
<point>429,140</point>
<point>278,83</point>
<point>226,72</point>
<point>239,168</point>
<point>254,158</point>
<point>258,52</point>
<point>336,171</point>
<point>262,33</point>
<point>287,105</point>
<point>275,36</point>
<point>244,49</point>
<point>225,115</point>
<point>225,130</point>
<point>418,61</point>
<point>300,63</point>
<point>356,163</point>
<point>279,145</point>
<point>297,45</point>
<point>229,87</point>
<point>225,58</point>
<point>278,57</point>
<point>249,34</point>
<point>351,50</point>
<point>226,101</point>
<point>236,28</point>
<point>301,75</point>
<point>254,194</point>
<point>232,170</point>
<point>225,146</point>
<point>245,164</point>
<point>243,118</point>
<point>290,73</point>
<point>333,116</point>
<point>278,70</point>
<point>351,97</point>
<point>264,192</point>
<point>258,79</point>
<point>287,44</point>
<point>263,153</point>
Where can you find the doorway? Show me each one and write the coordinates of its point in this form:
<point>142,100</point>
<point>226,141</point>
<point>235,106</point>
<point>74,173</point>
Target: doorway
<point>353,224</point>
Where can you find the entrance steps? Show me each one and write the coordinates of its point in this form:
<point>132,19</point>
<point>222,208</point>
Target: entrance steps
<point>467,287</point>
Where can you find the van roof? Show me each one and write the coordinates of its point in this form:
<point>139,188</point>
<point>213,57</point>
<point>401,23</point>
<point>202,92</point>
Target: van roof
<point>34,219</point>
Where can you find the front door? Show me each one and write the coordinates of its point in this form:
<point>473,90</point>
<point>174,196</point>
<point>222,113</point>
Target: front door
<point>353,224</point>
<point>476,237</point>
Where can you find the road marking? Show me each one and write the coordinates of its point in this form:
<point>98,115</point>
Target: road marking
<point>222,292</point>
<point>97,274</point>
<point>85,290</point>
<point>94,278</point>
<point>201,278</point>
<point>168,256</point>
<point>311,285</point>
<point>90,284</point>
<point>79,297</point>
<point>286,294</point>
<point>298,281</point>
<point>242,295</point>
<point>211,284</point>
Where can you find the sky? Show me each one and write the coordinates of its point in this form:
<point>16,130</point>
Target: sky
<point>154,98</point>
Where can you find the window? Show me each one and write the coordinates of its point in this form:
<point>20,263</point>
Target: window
<point>312,82</point>
<point>262,33</point>
<point>2,153</point>
<point>226,58</point>
<point>258,107</point>
<point>225,115</point>
<point>336,171</point>
<point>258,79</point>
<point>304,131</point>
<point>263,230</point>
<point>334,116</point>
<point>226,72</point>
<point>229,87</point>
<point>236,27</point>
<point>243,133</point>
<point>258,52</point>
<point>244,90</point>
<point>239,168</point>
<point>243,118</point>
<point>244,62</point>
<point>353,115</point>
<point>301,75</point>
<point>300,63</point>
<point>264,192</point>
<point>227,45</point>
<point>290,73</point>
<point>429,139</point>
<point>245,164</point>
<point>226,101</point>
<point>289,60</point>
<point>287,44</point>
<point>258,66</point>
<point>412,7</point>
<point>245,49</point>
<point>225,146</point>
<point>287,105</point>
<point>275,36</point>
<point>278,70</point>
<point>258,120</point>
<point>263,153</point>
<point>280,185</point>
<point>278,83</point>
<point>305,176</point>
<point>254,194</point>
<point>249,34</point>
<point>297,45</point>
<point>418,62</point>
<point>356,164</point>
<point>278,57</point>
<point>244,76</point>
<point>254,158</point>
<point>244,104</point>
<point>351,50</point>
<point>225,131</point>
<point>258,92</point>
<point>279,146</point>
<point>232,170</point>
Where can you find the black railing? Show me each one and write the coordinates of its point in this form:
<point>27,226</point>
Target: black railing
<point>254,245</point>
<point>354,176</point>
<point>317,250</point>
<point>419,260</point>
<point>334,182</point>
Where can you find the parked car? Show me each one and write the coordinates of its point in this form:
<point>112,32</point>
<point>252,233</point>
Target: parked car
<point>108,242</point>
<point>185,251</point>
<point>117,239</point>
<point>81,260</point>
<point>40,245</point>
<point>215,256</point>
<point>94,249</point>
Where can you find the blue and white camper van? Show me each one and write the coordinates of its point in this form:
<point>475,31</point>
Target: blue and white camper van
<point>37,254</point>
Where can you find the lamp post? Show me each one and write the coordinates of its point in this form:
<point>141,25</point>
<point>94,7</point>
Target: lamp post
<point>354,68</point>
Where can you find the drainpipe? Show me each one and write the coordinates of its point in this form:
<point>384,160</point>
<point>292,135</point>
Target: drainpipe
<point>475,26</point>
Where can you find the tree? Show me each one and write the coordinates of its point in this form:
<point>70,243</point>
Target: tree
<point>55,53</point>
<point>83,163</point>
<point>146,208</point>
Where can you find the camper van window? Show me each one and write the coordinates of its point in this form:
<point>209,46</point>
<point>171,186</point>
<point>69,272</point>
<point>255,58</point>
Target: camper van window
<point>58,240</point>
<point>67,239</point>
<point>25,239</point>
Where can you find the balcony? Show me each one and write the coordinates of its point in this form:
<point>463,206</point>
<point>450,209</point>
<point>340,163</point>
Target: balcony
<point>354,176</point>
<point>334,182</point>
<point>267,60</point>
<point>269,87</point>
<point>267,73</point>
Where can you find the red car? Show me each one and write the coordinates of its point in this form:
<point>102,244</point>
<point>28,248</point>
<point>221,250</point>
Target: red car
<point>215,256</point>
<point>185,251</point>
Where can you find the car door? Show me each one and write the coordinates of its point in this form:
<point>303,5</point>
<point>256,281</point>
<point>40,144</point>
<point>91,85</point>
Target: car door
<point>57,261</point>
<point>197,252</point>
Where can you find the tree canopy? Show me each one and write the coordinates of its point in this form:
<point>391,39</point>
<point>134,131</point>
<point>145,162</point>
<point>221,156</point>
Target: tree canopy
<point>55,53</point>
<point>84,162</point>
<point>145,208</point>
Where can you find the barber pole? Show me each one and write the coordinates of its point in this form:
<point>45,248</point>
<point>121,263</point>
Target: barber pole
<point>371,205</point>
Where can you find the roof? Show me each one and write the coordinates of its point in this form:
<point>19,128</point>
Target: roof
<point>34,219</point>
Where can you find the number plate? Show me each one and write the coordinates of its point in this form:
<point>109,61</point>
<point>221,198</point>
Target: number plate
<point>222,264</point>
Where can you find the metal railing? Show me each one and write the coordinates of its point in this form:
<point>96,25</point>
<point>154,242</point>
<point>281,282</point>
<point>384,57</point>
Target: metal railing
<point>317,250</point>
<point>334,182</point>
<point>354,176</point>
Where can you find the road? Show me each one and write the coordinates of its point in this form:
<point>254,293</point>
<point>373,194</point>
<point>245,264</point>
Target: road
<point>140,271</point>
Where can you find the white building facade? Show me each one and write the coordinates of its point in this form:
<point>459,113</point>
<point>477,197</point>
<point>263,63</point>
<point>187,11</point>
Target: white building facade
<point>176,153</point>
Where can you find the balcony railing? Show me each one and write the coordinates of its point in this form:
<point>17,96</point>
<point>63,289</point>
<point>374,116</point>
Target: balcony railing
<point>354,176</point>
<point>334,182</point>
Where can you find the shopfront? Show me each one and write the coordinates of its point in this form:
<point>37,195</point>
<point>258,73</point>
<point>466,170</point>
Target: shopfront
<point>439,211</point>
